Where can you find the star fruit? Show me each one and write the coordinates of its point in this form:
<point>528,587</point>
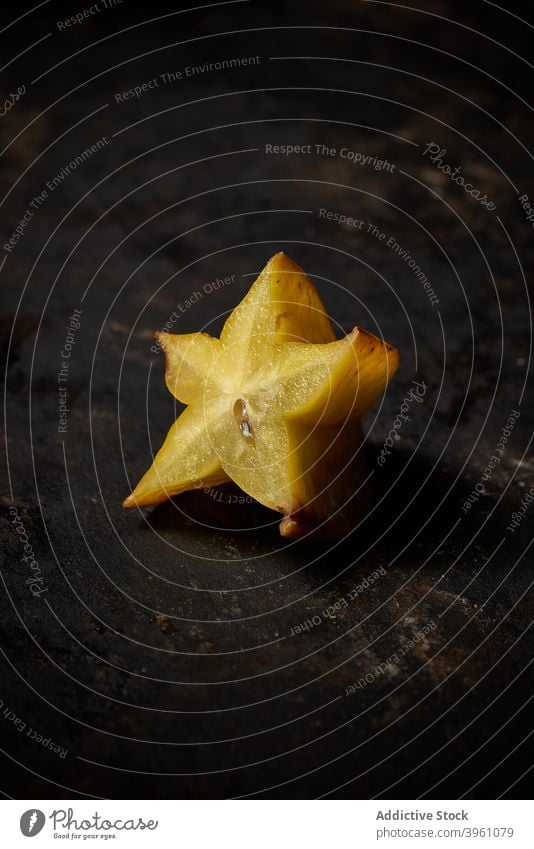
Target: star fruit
<point>275,406</point>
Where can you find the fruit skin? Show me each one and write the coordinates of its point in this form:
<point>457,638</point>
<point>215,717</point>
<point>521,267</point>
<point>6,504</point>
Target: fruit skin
<point>274,405</point>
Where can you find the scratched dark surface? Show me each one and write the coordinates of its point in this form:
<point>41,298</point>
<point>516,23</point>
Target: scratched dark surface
<point>161,655</point>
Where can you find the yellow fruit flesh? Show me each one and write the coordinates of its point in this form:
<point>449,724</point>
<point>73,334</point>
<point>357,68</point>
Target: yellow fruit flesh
<point>185,461</point>
<point>274,405</point>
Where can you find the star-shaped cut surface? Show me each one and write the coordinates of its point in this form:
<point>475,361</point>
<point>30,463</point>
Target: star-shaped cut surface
<point>273,405</point>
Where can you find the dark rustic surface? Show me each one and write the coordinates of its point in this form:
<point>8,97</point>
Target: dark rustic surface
<point>161,654</point>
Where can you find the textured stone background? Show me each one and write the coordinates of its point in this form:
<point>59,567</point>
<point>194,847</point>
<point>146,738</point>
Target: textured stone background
<point>161,656</point>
